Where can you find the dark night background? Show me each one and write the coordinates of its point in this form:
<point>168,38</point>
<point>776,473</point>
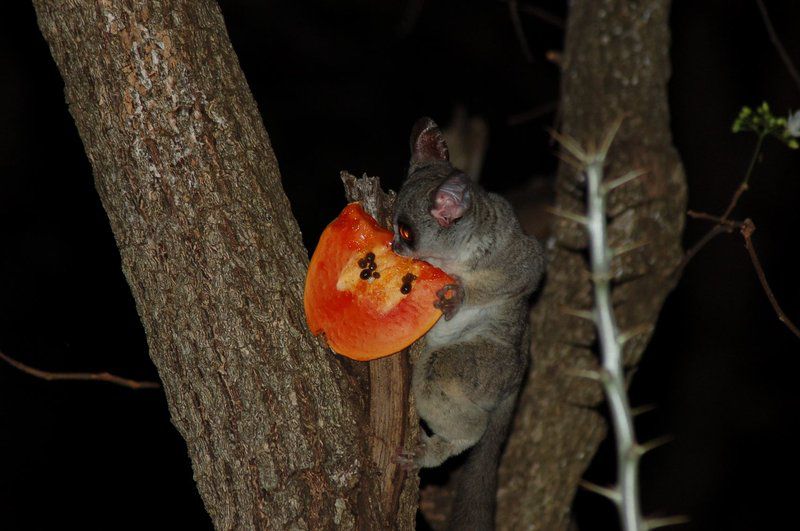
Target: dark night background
<point>339,87</point>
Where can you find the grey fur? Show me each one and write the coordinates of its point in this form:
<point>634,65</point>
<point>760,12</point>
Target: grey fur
<point>467,378</point>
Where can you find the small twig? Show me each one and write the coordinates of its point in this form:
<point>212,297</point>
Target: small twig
<point>745,182</point>
<point>532,114</point>
<point>747,229</point>
<point>729,224</point>
<point>722,222</point>
<point>721,225</point>
<point>513,11</point>
<point>95,376</point>
<point>543,15</point>
<point>688,255</point>
<point>773,36</point>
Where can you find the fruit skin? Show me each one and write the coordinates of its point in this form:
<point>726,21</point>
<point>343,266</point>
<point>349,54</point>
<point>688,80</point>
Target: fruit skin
<point>368,319</point>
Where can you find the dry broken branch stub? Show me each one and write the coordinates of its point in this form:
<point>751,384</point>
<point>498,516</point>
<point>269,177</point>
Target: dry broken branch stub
<point>393,425</point>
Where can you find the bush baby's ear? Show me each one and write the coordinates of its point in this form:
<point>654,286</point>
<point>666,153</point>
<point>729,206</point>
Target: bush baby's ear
<point>427,142</point>
<point>451,200</point>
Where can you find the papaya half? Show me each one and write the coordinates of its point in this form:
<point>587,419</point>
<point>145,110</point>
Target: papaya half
<point>368,301</point>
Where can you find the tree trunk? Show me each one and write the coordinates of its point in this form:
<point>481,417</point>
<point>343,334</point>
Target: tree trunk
<point>275,426</point>
<point>615,64</point>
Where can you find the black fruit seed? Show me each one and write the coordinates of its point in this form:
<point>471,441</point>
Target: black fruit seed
<point>409,277</point>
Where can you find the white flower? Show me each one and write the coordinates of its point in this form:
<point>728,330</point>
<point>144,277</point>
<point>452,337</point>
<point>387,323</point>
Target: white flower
<point>793,124</point>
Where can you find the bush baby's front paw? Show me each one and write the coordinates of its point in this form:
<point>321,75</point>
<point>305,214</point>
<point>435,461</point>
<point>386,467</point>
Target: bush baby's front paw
<point>449,300</point>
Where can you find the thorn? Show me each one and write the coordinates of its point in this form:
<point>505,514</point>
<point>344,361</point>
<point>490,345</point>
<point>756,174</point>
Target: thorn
<point>641,410</point>
<point>570,161</point>
<point>583,220</point>
<point>583,314</point>
<point>591,148</point>
<point>612,494</point>
<point>571,145</point>
<point>628,248</point>
<point>595,376</point>
<point>619,181</point>
<point>608,139</point>
<point>655,523</point>
<point>630,333</point>
<point>629,376</point>
<point>658,442</point>
<point>600,278</point>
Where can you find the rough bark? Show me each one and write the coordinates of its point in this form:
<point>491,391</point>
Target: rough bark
<point>184,168</point>
<point>615,63</point>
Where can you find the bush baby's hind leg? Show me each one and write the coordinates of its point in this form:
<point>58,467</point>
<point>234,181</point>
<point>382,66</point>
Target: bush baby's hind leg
<point>443,392</point>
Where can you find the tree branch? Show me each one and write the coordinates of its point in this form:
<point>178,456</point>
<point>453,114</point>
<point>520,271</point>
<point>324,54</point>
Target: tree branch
<point>92,376</point>
<point>773,36</point>
<point>747,228</point>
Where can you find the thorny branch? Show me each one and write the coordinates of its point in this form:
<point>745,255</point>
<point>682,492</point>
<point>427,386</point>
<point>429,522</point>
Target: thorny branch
<point>625,494</point>
<point>95,376</point>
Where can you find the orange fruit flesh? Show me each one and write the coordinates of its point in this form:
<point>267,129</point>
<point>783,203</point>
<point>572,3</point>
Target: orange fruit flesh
<point>369,318</point>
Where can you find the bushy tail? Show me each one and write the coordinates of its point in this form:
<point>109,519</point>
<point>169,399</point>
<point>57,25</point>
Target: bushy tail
<point>476,487</point>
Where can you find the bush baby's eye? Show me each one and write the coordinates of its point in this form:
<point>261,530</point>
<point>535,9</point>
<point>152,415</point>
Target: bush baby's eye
<point>405,233</point>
